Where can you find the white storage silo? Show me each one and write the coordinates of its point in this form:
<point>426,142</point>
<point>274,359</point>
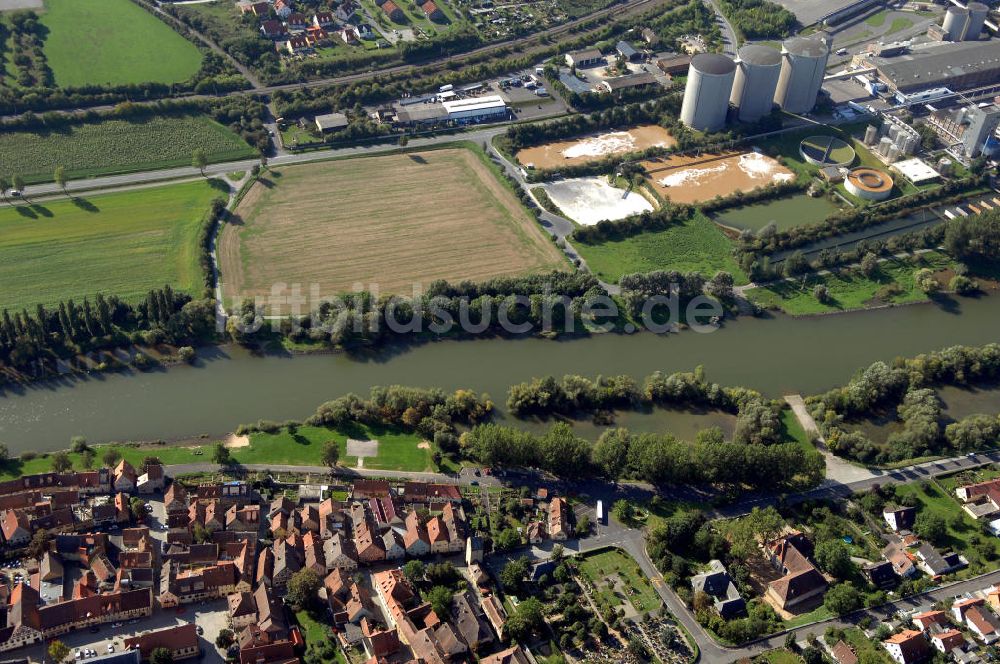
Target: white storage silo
<point>757,71</point>
<point>909,144</point>
<point>871,135</point>
<point>977,17</point>
<point>893,153</point>
<point>955,20</point>
<point>803,67</point>
<point>884,145</point>
<point>706,96</point>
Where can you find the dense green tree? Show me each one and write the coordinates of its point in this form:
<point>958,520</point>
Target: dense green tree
<point>61,462</point>
<point>842,598</point>
<point>303,588</point>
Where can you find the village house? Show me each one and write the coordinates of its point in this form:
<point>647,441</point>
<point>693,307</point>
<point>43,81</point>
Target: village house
<point>125,477</point>
<point>180,640</point>
<point>295,44</point>
<point>273,29</point>
<point>718,585</point>
<point>928,619</point>
<point>947,640</point>
<point>195,585</point>
<point>432,11</point>
<point>365,489</point>
<point>512,655</point>
<point>983,623</point>
<point>394,13</point>
<point>283,8</point>
<point>800,580</point>
<point>558,519</point>
<point>339,553</point>
<point>590,57</point>
<point>907,647</point>
<point>416,541</point>
<point>495,614</point>
<point>844,654</point>
<point>242,610</point>
<point>323,20</point>
<point>469,621</point>
<point>431,494</point>
<point>899,518</point>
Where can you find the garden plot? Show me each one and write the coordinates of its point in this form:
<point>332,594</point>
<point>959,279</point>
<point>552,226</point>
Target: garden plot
<point>592,199</point>
<point>693,179</point>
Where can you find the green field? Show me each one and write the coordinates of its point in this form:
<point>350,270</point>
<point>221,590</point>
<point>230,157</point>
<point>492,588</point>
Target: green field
<point>123,244</point>
<point>850,289</point>
<point>397,451</point>
<point>788,212</point>
<point>113,42</point>
<point>117,146</point>
<point>697,244</point>
<point>599,567</point>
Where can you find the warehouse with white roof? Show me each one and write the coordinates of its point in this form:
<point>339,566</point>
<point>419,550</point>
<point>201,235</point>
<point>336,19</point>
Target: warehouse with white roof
<point>477,109</point>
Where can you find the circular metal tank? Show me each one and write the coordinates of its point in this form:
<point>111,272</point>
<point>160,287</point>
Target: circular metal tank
<point>706,96</point>
<point>955,19</point>
<point>757,71</point>
<point>803,66</point>
<point>977,17</point>
<point>944,166</point>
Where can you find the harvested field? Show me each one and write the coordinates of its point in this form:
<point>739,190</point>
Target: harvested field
<point>593,148</point>
<point>590,200</point>
<point>386,222</point>
<point>694,179</point>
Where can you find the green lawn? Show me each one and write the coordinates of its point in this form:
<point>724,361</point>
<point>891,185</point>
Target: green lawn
<point>397,451</point>
<point>122,244</point>
<point>877,19</point>
<point>113,42</point>
<point>697,244</point>
<point>781,656</point>
<point>118,146</point>
<point>598,567</point>
<point>849,288</point>
<point>313,631</point>
<point>819,613</point>
<point>899,24</point>
<point>855,638</point>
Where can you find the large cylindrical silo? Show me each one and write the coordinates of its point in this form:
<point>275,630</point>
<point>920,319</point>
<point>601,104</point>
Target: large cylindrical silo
<point>706,97</point>
<point>955,20</point>
<point>803,66</point>
<point>977,17</point>
<point>757,71</point>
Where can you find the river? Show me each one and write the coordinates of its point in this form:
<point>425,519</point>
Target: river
<point>228,386</point>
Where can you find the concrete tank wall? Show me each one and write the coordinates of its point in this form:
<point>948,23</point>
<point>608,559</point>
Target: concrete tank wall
<point>756,78</point>
<point>803,67</point>
<point>955,19</point>
<point>706,96</point>
<point>977,17</point>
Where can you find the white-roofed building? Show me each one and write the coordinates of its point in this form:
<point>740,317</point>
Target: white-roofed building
<point>916,170</point>
<point>476,109</point>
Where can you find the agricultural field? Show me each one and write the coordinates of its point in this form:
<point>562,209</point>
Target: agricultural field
<point>388,221</point>
<point>123,244</point>
<point>118,146</point>
<point>113,42</point>
<point>893,283</point>
<point>697,244</point>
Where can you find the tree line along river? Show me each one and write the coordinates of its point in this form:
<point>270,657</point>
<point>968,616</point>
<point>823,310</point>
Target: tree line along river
<point>228,386</point>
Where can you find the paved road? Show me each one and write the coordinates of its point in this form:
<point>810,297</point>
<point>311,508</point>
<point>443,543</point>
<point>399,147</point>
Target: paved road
<point>730,42</point>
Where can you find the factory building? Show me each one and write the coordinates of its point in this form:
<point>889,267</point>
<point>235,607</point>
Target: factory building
<point>969,128</point>
<point>706,97</point>
<point>958,66</point>
<point>803,66</point>
<point>756,78</point>
<point>476,109</point>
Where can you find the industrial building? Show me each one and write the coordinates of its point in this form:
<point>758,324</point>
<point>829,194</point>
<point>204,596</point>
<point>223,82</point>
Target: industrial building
<point>896,134</point>
<point>709,86</point>
<point>967,128</point>
<point>956,66</point>
<point>590,57</point>
<point>803,66</point>
<point>476,109</point>
<point>757,71</point>
<point>331,122</point>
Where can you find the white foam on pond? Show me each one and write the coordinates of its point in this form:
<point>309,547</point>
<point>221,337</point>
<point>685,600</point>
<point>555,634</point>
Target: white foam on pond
<point>592,199</point>
<point>759,166</point>
<point>691,175</point>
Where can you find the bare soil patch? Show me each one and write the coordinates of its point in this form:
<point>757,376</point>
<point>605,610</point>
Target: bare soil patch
<point>233,441</point>
<point>385,223</point>
<point>693,179</point>
<point>595,147</point>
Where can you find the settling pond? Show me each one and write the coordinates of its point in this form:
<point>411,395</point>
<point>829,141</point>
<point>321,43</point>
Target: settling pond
<point>229,386</point>
<point>798,210</point>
